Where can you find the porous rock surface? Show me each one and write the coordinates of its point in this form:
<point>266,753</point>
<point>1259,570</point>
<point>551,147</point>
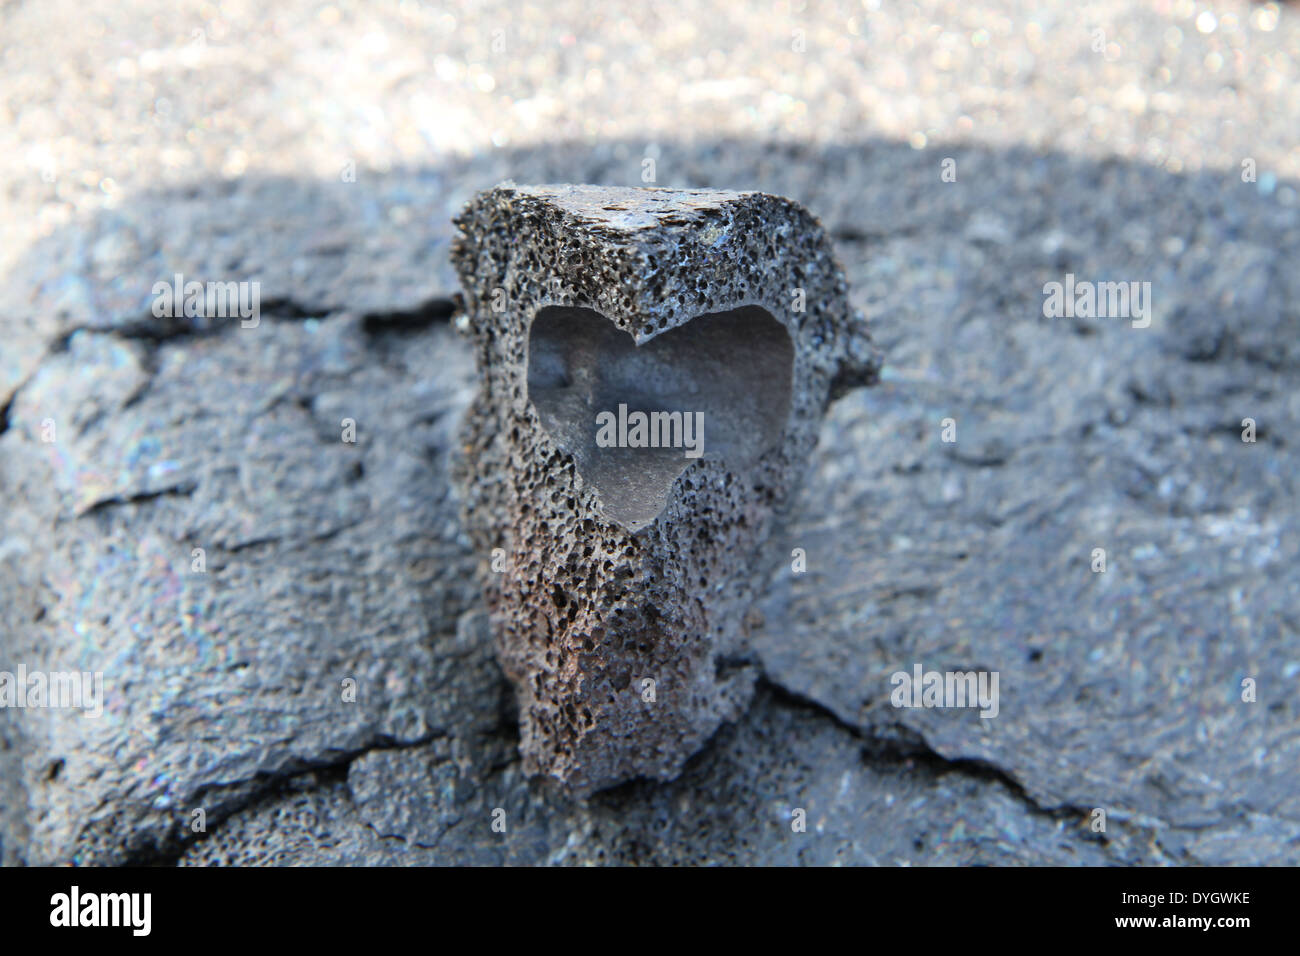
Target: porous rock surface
<point>1121,690</point>
<point>621,623</point>
<point>328,560</point>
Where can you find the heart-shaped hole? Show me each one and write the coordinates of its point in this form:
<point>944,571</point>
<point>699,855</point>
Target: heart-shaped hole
<point>729,372</point>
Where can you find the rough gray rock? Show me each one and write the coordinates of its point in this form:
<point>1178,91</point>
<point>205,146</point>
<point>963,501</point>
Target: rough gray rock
<point>1120,691</point>
<point>226,158</point>
<point>225,669</point>
<point>623,575</point>
<point>738,802</point>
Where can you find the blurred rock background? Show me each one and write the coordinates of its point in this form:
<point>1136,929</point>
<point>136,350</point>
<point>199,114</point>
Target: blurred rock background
<point>321,149</point>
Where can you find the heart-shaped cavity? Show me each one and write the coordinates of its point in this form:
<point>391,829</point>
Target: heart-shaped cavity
<point>729,372</point>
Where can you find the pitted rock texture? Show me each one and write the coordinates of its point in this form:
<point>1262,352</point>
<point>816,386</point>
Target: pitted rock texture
<point>1071,434</point>
<point>913,547</point>
<point>619,618</point>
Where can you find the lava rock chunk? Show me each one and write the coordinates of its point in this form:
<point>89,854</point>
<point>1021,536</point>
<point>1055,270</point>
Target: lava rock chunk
<point>654,365</point>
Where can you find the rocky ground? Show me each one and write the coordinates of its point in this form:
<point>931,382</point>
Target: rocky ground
<point>321,150</point>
